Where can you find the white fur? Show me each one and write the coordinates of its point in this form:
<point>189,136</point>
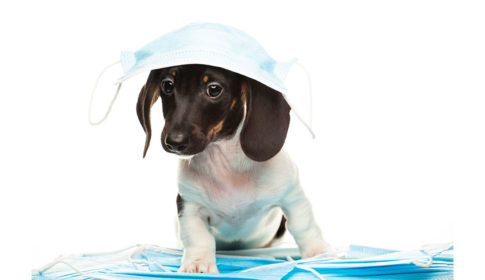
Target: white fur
<point>228,197</point>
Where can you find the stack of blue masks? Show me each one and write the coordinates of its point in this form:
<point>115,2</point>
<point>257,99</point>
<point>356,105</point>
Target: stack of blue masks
<point>356,262</point>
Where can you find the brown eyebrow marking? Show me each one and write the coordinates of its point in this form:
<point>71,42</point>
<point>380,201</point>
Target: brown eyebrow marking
<point>206,78</point>
<point>214,130</point>
<point>173,73</point>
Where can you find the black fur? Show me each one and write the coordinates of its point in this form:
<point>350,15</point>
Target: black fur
<point>180,205</point>
<point>282,228</point>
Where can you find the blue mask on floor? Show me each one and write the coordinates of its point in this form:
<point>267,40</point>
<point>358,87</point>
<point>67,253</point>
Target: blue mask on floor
<point>356,262</point>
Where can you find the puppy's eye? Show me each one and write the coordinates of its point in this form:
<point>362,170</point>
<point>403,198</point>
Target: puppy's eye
<point>214,90</point>
<point>167,86</point>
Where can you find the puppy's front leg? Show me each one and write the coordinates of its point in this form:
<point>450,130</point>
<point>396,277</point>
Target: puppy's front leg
<point>302,225</point>
<point>199,243</point>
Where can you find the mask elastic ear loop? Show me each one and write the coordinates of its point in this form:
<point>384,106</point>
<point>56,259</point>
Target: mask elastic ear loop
<point>94,91</point>
<point>431,255</point>
<point>308,125</point>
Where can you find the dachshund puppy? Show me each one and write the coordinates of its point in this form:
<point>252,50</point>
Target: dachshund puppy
<point>237,188</point>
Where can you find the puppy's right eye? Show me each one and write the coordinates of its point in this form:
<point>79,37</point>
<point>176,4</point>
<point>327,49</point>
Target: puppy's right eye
<point>167,86</point>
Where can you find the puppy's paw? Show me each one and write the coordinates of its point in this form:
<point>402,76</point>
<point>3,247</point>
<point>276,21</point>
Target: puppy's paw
<point>198,266</point>
<point>315,249</point>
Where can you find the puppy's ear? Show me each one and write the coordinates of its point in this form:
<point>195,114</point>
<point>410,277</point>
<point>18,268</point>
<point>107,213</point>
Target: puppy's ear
<point>148,96</point>
<point>267,120</point>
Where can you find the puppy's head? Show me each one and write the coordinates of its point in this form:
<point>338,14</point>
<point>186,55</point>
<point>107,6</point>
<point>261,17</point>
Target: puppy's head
<point>202,104</point>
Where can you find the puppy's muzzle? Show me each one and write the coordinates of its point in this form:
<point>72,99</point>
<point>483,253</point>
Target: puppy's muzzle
<point>177,142</point>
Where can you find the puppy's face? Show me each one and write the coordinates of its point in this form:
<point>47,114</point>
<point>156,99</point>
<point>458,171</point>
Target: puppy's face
<point>203,104</point>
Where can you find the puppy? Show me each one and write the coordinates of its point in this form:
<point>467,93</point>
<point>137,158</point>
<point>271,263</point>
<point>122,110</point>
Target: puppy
<point>237,187</point>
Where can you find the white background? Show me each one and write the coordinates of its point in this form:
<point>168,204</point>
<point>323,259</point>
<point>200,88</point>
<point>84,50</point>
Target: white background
<point>398,111</point>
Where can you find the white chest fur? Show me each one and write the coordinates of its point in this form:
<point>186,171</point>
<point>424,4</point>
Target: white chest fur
<point>237,196</point>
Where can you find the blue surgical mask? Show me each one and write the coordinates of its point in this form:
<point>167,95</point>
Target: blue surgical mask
<point>357,262</point>
<point>210,44</point>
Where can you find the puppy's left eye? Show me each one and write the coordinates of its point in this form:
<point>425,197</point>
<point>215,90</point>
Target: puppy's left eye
<point>214,90</point>
<point>167,86</point>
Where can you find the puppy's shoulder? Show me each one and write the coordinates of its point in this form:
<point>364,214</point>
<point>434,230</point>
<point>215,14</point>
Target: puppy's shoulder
<point>280,170</point>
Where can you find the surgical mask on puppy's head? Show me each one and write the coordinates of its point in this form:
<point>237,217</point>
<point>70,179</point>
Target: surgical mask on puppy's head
<point>210,44</point>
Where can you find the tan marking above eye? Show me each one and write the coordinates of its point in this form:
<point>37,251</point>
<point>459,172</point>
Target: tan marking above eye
<point>205,79</point>
<point>173,73</point>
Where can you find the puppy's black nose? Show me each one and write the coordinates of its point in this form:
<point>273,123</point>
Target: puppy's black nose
<point>176,142</point>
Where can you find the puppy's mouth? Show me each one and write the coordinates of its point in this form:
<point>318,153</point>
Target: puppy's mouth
<point>183,152</point>
<point>182,144</point>
<point>185,157</point>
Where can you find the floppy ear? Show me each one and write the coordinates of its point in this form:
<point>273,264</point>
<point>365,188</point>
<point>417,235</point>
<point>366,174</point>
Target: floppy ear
<point>148,95</point>
<point>267,120</point>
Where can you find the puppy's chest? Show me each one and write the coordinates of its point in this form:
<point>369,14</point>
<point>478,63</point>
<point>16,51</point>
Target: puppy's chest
<point>229,196</point>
